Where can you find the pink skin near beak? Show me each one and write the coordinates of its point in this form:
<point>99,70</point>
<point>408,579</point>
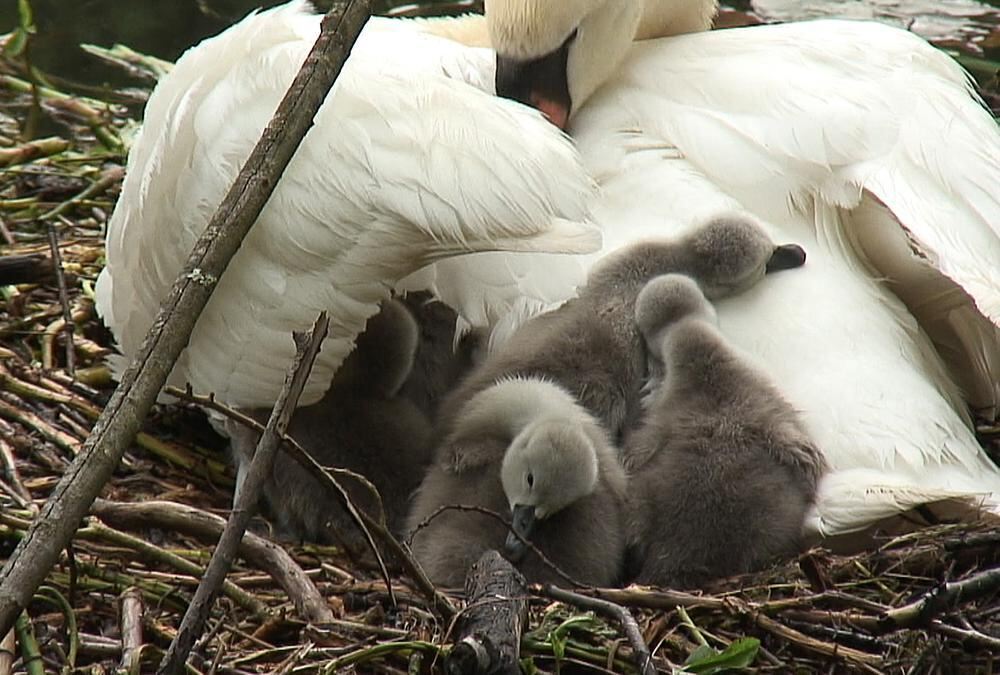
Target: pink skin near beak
<point>557,113</point>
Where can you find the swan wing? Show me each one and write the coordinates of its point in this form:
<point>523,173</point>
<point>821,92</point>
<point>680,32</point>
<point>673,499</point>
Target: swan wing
<point>807,118</point>
<point>403,168</point>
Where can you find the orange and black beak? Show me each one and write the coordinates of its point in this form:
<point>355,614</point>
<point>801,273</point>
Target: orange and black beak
<point>540,83</point>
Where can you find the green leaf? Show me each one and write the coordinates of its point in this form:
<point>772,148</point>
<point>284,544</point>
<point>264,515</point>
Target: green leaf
<point>706,660</point>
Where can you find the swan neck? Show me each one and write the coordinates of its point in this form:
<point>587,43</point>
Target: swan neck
<point>664,18</point>
<point>469,29</point>
<point>509,406</point>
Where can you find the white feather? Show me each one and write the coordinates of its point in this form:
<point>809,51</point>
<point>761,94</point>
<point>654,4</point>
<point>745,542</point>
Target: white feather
<point>407,164</point>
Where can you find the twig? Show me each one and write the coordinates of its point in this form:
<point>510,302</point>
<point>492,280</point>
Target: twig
<point>854,656</point>
<point>38,551</point>
<point>13,476</point>
<point>24,269</point>
<point>966,635</point>
<point>266,555</point>
<point>85,108</point>
<point>137,65</point>
<point>53,597</point>
<point>496,516</point>
<point>640,651</point>
<point>31,656</point>
<point>60,438</point>
<point>297,452</point>
<point>53,330</point>
<point>8,236</point>
<point>63,299</point>
<point>400,551</point>
<point>686,620</point>
<point>635,596</point>
<point>97,531</point>
<point>42,147</point>
<point>131,629</point>
<point>247,496</point>
<point>107,179</point>
<point>941,598</point>
<point>7,653</point>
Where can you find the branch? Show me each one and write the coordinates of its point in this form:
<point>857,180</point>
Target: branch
<point>643,659</point>
<point>52,531</point>
<point>247,497</point>
<point>131,630</point>
<point>489,639</point>
<point>260,552</point>
<point>940,599</point>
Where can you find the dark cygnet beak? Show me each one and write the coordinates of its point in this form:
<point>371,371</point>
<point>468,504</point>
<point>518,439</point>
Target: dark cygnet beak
<point>540,83</point>
<point>786,257</point>
<point>523,524</point>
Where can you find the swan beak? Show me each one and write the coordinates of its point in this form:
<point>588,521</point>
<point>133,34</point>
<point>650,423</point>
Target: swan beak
<point>540,83</point>
<point>786,257</point>
<point>523,522</point>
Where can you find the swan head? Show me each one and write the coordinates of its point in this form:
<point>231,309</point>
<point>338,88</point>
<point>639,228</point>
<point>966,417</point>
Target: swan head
<point>553,55</point>
<point>667,299</point>
<point>548,466</point>
<point>731,253</point>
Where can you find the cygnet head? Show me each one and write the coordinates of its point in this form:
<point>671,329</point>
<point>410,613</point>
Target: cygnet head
<point>548,466</point>
<point>733,252</point>
<point>666,300</point>
<point>553,54</point>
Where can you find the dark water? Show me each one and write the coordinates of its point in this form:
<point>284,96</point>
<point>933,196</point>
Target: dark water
<point>165,28</point>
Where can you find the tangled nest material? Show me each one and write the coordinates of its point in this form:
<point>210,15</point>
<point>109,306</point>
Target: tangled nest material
<point>923,602</point>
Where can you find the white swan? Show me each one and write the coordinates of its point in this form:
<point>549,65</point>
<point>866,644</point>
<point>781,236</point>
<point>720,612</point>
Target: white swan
<point>408,163</point>
<point>858,141</point>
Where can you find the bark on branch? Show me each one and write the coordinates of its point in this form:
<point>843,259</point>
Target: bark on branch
<point>169,334</point>
<point>489,636</point>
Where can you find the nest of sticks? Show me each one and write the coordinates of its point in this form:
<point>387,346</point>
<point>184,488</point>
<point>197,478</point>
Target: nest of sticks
<point>923,602</point>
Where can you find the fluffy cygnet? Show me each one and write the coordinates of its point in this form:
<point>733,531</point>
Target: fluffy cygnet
<point>721,470</point>
<point>591,345</point>
<point>365,424</point>
<point>526,449</point>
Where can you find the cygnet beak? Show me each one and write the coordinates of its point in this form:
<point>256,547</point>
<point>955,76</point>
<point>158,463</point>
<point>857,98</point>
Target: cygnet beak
<point>523,522</point>
<point>540,83</point>
<point>786,257</point>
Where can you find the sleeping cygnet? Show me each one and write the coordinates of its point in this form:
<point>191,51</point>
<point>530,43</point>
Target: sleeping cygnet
<point>523,448</point>
<point>721,470</point>
<point>363,424</point>
<point>591,345</point>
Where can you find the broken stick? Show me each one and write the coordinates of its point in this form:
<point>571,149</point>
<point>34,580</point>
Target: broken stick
<point>489,636</point>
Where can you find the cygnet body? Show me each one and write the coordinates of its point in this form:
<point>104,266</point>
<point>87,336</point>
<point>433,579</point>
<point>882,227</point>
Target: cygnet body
<point>374,420</point>
<point>591,345</point>
<point>722,473</point>
<point>523,447</point>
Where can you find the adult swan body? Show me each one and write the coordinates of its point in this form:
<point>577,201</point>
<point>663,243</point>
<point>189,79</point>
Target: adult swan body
<point>858,141</point>
<point>409,162</point>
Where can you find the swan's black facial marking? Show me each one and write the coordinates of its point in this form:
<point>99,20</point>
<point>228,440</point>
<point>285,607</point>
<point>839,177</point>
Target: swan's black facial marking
<point>541,83</point>
<point>786,257</point>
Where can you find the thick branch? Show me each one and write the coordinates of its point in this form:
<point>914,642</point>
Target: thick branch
<point>489,637</point>
<point>169,334</point>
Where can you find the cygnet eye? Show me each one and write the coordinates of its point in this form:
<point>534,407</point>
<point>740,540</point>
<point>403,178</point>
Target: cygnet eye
<point>531,480</point>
